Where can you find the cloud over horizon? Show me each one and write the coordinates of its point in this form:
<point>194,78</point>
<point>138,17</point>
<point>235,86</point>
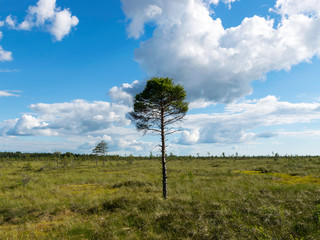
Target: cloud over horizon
<point>77,117</point>
<point>238,122</point>
<point>81,123</point>
<point>85,123</point>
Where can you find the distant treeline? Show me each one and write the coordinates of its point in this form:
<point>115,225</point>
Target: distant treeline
<point>85,157</point>
<point>75,156</point>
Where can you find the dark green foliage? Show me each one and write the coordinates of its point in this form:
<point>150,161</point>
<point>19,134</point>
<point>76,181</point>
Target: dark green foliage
<point>101,148</point>
<point>159,94</point>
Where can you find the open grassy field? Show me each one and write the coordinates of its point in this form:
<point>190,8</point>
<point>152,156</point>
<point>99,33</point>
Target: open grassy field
<point>219,198</point>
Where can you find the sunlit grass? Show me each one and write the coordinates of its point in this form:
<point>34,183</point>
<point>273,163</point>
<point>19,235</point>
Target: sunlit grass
<point>285,178</point>
<point>208,199</point>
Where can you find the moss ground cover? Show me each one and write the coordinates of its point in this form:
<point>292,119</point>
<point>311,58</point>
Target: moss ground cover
<point>209,198</point>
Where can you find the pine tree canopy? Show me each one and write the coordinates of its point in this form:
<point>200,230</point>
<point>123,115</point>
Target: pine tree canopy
<point>160,98</point>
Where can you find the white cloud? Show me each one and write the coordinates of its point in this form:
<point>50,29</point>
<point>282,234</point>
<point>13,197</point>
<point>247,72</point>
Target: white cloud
<point>63,23</point>
<point>10,21</point>
<point>61,118</point>
<point>126,92</point>
<point>46,15</point>
<point>200,103</point>
<point>238,121</point>
<point>1,23</point>
<point>43,11</point>
<point>77,126</point>
<point>292,7</point>
<point>5,55</point>
<point>6,93</point>
<point>25,126</point>
<point>218,64</point>
<point>189,137</point>
<point>148,13</point>
<point>80,125</point>
<point>80,116</point>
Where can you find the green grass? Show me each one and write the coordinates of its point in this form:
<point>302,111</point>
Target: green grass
<point>208,199</point>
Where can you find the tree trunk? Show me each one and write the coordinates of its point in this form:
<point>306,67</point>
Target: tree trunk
<point>163,152</point>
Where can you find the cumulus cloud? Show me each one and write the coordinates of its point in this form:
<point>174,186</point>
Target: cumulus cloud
<point>27,125</point>
<point>62,24</point>
<point>148,12</point>
<point>189,137</point>
<point>76,117</point>
<point>46,15</point>
<point>5,55</point>
<point>125,93</point>
<point>237,123</point>
<point>80,124</point>
<point>77,125</point>
<point>218,64</point>
<point>292,7</point>
<point>10,21</point>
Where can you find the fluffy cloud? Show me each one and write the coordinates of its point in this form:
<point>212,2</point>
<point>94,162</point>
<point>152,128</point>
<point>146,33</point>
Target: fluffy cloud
<point>45,14</point>
<point>77,125</point>
<point>218,64</point>
<point>25,126</point>
<point>148,12</point>
<point>125,93</point>
<point>10,21</point>
<point>62,24</point>
<point>4,55</point>
<point>73,118</point>
<point>238,121</point>
<point>190,137</point>
<point>292,7</point>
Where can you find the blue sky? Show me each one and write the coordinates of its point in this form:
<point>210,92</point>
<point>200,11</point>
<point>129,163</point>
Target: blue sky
<point>69,70</point>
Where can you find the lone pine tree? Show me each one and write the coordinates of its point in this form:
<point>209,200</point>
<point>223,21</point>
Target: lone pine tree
<point>101,150</point>
<point>156,109</point>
